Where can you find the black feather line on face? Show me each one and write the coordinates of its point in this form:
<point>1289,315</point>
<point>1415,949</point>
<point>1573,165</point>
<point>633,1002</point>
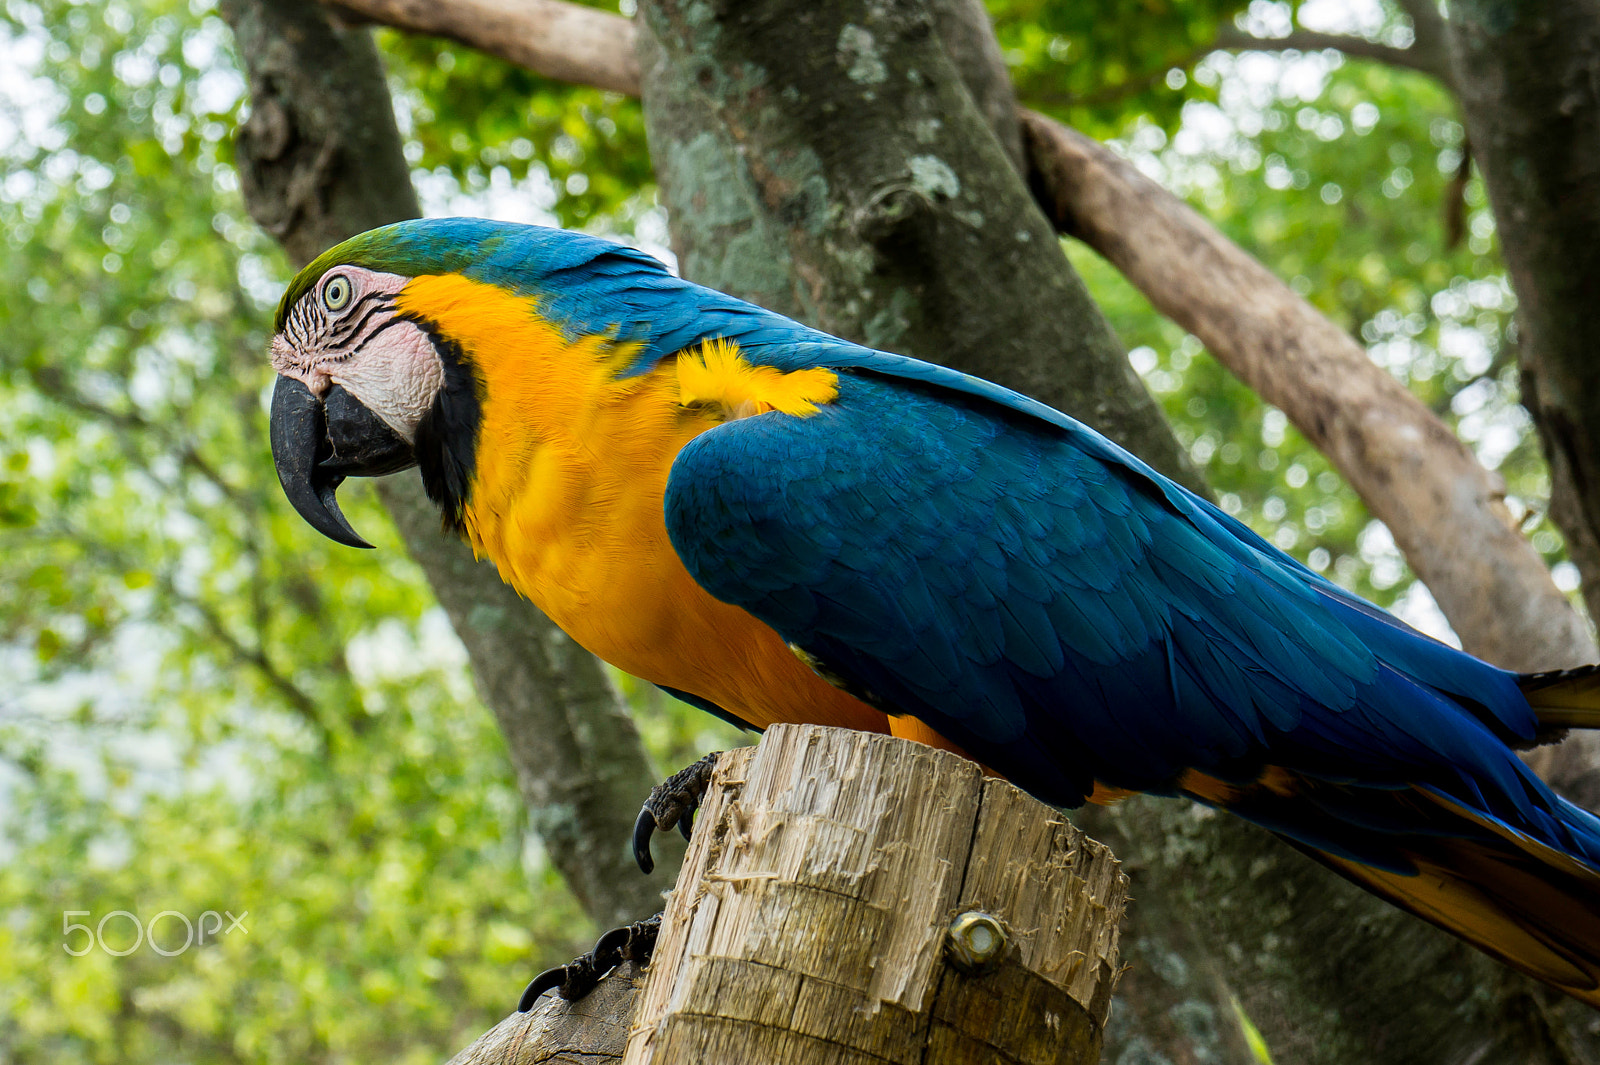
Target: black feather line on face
<point>348,326</point>
<point>447,436</point>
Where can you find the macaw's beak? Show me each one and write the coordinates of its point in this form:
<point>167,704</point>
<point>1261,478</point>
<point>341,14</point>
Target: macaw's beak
<point>317,443</point>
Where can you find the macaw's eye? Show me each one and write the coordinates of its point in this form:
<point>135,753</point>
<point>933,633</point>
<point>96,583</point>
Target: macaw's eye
<point>336,293</point>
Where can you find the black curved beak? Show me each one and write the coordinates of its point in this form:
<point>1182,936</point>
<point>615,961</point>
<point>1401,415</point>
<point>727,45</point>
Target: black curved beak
<point>317,443</point>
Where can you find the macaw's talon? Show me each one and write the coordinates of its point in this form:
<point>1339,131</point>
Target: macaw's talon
<point>643,828</point>
<point>572,981</point>
<point>539,985</point>
<point>672,802</point>
<point>635,942</point>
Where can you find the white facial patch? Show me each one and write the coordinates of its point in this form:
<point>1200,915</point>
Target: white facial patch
<point>396,377</point>
<point>346,331</point>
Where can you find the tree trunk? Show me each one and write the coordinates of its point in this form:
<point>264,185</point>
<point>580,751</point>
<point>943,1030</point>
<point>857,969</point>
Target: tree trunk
<point>818,921</point>
<point>1330,975</point>
<point>1528,78</point>
<point>319,161</point>
<point>831,165</point>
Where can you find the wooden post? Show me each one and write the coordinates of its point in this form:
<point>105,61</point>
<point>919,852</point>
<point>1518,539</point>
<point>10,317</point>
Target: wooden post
<point>818,920</point>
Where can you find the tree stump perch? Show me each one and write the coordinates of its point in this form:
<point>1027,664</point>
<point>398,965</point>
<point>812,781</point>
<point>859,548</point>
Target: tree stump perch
<point>812,923</point>
<point>591,1031</point>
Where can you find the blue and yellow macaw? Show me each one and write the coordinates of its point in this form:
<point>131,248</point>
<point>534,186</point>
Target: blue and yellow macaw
<point>781,526</point>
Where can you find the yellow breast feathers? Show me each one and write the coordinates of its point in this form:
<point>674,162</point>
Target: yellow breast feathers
<point>567,496</point>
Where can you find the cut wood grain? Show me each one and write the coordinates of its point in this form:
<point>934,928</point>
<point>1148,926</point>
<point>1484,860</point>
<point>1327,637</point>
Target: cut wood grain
<point>590,1031</point>
<point>811,922</point>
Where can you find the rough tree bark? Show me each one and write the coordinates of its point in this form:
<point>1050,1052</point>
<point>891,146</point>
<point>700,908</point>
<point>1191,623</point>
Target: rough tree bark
<point>834,167</point>
<point>1528,79</point>
<point>814,922</point>
<point>320,160</point>
<point>590,1031</point>
<point>1329,975</point>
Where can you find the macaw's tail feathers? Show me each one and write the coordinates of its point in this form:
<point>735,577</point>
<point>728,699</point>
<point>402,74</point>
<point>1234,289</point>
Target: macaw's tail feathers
<point>1532,906</point>
<point>1564,698</point>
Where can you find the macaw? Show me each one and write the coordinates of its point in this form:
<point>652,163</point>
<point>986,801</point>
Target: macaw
<point>781,526</point>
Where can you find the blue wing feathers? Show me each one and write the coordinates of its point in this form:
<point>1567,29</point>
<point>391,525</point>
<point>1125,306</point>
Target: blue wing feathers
<point>1028,587</point>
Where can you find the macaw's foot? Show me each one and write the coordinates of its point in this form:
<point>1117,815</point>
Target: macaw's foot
<point>634,942</point>
<point>672,802</point>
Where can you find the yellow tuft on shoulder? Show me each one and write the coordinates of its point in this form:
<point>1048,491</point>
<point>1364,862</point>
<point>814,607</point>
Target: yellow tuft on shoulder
<point>718,373</point>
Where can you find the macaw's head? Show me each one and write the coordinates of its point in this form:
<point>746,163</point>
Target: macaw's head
<point>380,345</point>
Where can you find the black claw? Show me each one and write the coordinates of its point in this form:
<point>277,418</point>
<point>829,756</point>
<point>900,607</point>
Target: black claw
<point>611,943</point>
<point>545,981</point>
<point>572,981</point>
<point>672,802</point>
<point>643,829</point>
<point>641,943</point>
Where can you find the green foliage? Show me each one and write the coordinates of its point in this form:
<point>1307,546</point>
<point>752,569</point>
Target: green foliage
<point>378,876</point>
<point>471,115</point>
<point>1100,64</point>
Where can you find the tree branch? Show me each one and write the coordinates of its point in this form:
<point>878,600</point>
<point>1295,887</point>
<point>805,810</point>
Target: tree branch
<point>1429,40</point>
<point>1434,64</point>
<point>559,40</point>
<point>1425,55</point>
